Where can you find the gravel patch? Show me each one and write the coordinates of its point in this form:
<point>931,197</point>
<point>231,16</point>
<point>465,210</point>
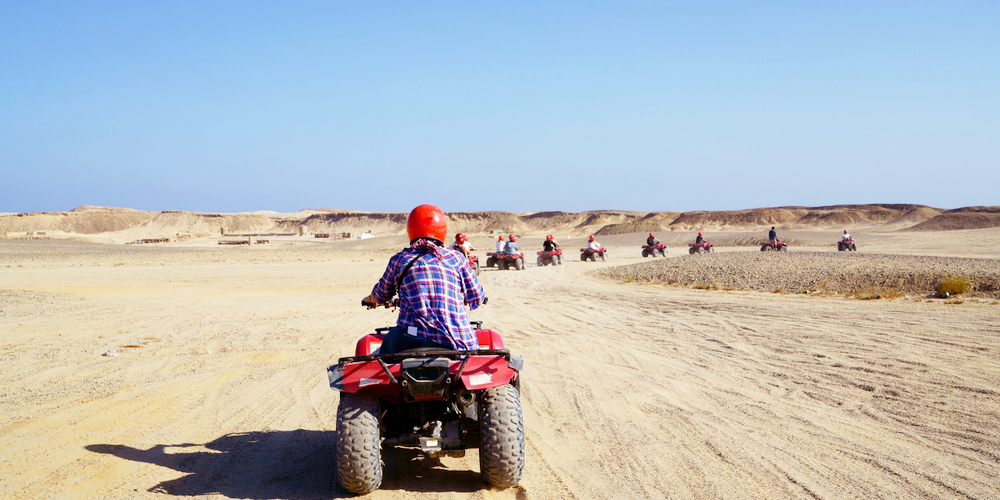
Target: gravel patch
<point>839,272</point>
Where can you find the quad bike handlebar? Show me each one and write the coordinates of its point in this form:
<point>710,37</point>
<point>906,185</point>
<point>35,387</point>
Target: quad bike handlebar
<point>394,304</point>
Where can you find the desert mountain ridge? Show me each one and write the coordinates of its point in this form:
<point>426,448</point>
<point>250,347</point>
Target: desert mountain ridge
<point>126,222</point>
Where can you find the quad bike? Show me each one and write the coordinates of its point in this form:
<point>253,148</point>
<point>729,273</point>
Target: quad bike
<point>703,247</point>
<point>554,257</point>
<point>847,244</point>
<point>437,400</point>
<point>504,260</point>
<point>586,253</point>
<point>777,247</point>
<point>474,264</point>
<point>652,250</point>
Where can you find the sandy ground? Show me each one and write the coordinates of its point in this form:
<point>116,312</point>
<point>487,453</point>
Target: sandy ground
<point>630,391</point>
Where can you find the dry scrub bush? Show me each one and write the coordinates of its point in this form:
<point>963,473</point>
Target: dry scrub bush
<point>953,285</point>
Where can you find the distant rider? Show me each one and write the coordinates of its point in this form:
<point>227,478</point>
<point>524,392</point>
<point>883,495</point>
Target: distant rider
<point>511,247</point>
<point>550,244</point>
<point>699,240</point>
<point>773,236</point>
<point>593,245</point>
<point>845,236</point>
<point>434,285</point>
<point>652,241</point>
<point>500,244</point>
<point>463,245</point>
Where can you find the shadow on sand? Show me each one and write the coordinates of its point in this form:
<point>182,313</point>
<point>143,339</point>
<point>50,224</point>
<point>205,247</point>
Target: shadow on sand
<point>297,465</point>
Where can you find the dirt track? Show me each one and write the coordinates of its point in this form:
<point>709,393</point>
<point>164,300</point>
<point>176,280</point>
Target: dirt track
<point>630,391</point>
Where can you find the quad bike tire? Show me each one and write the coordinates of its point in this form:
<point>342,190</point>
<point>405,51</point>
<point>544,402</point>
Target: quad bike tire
<point>540,263</point>
<point>583,257</point>
<point>692,251</point>
<point>783,248</point>
<point>701,250</point>
<point>663,252</point>
<point>840,247</point>
<point>645,253</point>
<point>490,261</point>
<point>501,446</point>
<point>358,448</point>
<point>854,247</point>
<point>518,264</point>
<point>501,264</point>
<point>765,248</point>
<point>559,261</point>
<point>604,257</point>
<point>710,250</point>
<point>476,264</point>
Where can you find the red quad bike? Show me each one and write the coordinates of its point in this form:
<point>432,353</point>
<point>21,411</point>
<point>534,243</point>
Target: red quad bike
<point>703,247</point>
<point>777,247</point>
<point>474,264</point>
<point>586,254</point>
<point>554,257</point>
<point>439,401</point>
<point>505,260</point>
<point>652,250</point>
<point>847,244</point>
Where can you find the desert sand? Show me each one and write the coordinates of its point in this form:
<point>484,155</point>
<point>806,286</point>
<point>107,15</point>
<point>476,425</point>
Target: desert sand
<point>198,370</point>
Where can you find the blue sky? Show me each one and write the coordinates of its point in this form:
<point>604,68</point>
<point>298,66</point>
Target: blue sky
<point>518,106</point>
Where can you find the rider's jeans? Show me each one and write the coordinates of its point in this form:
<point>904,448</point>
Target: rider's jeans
<point>398,340</point>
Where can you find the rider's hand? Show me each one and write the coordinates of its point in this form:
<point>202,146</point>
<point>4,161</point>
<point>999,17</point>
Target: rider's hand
<point>370,302</point>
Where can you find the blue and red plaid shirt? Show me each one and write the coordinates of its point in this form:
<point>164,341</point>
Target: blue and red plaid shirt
<point>433,294</point>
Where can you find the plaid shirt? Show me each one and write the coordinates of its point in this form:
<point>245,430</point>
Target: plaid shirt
<point>433,294</point>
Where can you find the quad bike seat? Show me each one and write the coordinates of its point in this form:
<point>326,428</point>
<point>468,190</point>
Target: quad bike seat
<point>420,350</point>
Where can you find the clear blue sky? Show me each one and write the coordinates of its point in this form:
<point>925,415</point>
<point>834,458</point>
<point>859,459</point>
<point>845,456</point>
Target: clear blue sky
<point>518,106</point>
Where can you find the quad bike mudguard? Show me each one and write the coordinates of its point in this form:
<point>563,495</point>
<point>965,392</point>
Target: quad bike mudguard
<point>385,376</point>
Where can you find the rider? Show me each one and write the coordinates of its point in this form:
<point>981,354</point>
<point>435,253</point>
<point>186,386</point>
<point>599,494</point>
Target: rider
<point>511,247</point>
<point>773,236</point>
<point>699,240</point>
<point>593,245</point>
<point>550,244</point>
<point>434,286</point>
<point>500,244</point>
<point>463,245</point>
<point>845,236</point>
<point>652,241</point>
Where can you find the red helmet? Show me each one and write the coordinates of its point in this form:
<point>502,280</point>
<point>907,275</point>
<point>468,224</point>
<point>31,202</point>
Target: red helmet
<point>699,234</point>
<point>651,235</point>
<point>591,237</point>
<point>549,237</point>
<point>461,238</point>
<point>500,238</point>
<point>513,238</point>
<point>427,221</point>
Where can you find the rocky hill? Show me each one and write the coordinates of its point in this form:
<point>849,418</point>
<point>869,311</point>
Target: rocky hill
<point>129,223</point>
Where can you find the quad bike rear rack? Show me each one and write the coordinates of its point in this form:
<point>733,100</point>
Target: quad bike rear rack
<point>514,362</point>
